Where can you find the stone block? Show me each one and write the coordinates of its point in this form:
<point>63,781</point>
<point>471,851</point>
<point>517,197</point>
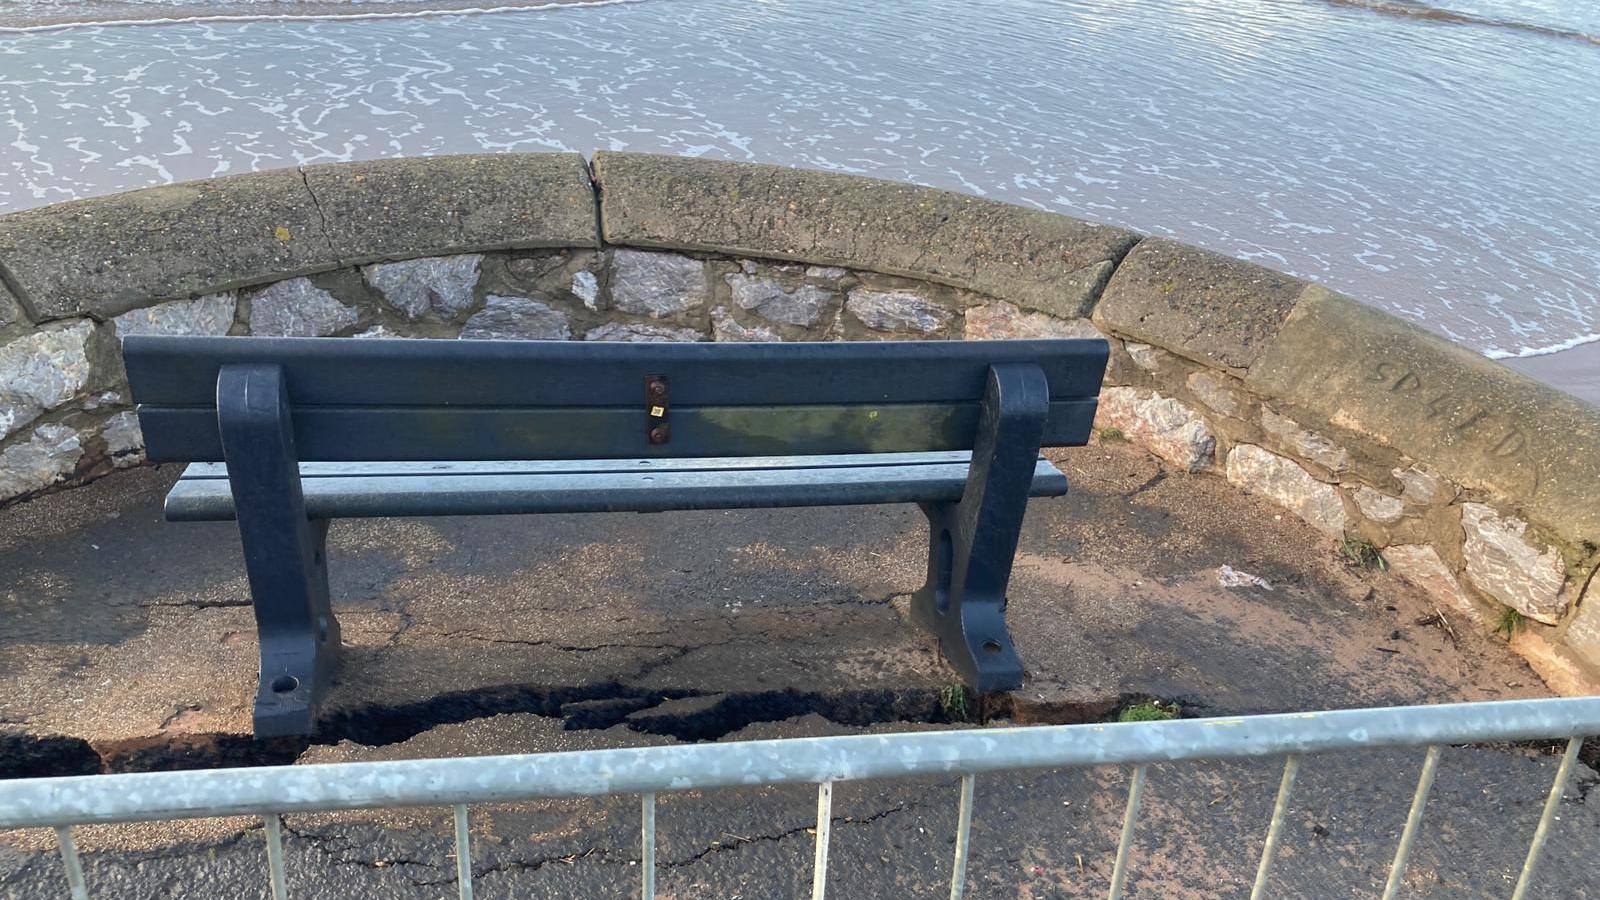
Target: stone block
<point>1378,506</point>
<point>1304,443</point>
<point>211,314</point>
<point>1165,426</point>
<point>1420,565</point>
<point>441,205</point>
<point>1208,307</point>
<point>725,328</point>
<point>1583,633</point>
<point>634,333</point>
<point>1035,259</point>
<point>11,312</point>
<point>1216,391</point>
<point>1557,666</point>
<point>1504,564</point>
<point>1423,487</point>
<point>897,312</point>
<point>442,285</point>
<point>1145,356</point>
<point>42,371</point>
<point>107,255</point>
<point>1472,420</point>
<point>657,285</point>
<point>48,456</point>
<point>586,288</point>
<point>124,440</point>
<point>516,319</point>
<point>1283,481</point>
<point>768,297</point>
<point>298,308</point>
<point>1002,321</point>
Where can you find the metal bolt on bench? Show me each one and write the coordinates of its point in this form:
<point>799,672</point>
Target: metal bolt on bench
<point>287,433</point>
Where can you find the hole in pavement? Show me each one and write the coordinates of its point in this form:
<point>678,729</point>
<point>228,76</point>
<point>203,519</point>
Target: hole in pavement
<point>581,707</point>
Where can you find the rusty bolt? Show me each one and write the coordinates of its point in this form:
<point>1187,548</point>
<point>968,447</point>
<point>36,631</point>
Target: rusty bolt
<point>661,433</point>
<point>657,389</point>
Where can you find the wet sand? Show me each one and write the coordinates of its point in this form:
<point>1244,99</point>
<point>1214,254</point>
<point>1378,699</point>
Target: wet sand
<point>1576,371</point>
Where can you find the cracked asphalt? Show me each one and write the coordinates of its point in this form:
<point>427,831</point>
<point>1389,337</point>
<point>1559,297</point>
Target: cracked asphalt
<point>126,644</point>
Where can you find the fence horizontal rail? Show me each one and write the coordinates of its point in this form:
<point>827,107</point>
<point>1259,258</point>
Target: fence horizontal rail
<point>88,799</point>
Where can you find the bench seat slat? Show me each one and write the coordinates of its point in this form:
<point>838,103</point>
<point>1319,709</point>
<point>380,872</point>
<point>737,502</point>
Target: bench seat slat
<point>526,490</point>
<point>502,433</point>
<point>574,466</point>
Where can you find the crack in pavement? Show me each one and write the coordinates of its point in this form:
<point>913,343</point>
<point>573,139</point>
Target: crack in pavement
<point>340,851</point>
<point>763,838</point>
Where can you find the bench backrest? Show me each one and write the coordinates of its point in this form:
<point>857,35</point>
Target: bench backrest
<point>502,400</point>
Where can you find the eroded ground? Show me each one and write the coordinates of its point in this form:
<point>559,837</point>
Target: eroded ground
<point>126,643</point>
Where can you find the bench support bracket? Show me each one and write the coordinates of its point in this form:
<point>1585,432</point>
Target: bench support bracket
<point>285,553</point>
<point>973,541</point>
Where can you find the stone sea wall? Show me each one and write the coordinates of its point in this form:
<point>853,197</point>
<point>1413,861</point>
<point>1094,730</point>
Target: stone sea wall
<point>1476,483</point>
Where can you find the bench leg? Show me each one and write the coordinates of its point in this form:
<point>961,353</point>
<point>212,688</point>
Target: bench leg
<point>973,541</point>
<point>299,639</point>
<point>285,554</point>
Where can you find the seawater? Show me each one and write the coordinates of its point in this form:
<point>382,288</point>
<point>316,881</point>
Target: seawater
<point>1442,162</point>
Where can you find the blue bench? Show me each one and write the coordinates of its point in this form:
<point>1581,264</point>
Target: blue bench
<point>285,434</point>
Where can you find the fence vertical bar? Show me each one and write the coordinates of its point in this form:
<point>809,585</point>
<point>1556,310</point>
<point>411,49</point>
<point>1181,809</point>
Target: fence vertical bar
<point>69,858</point>
<point>1542,833</point>
<point>819,871</point>
<point>463,853</point>
<point>280,883</point>
<point>647,850</point>
<point>1419,803</point>
<point>1119,872</point>
<point>958,871</point>
<point>1280,809</point>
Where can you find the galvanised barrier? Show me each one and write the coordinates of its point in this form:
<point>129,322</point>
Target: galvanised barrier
<point>270,792</point>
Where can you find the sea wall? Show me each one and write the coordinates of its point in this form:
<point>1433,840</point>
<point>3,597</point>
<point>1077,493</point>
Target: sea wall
<point>1474,482</point>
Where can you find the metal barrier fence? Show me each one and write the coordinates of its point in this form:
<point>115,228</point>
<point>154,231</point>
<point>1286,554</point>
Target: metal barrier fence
<point>272,792</point>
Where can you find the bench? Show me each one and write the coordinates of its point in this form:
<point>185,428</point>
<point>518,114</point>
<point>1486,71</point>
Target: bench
<point>285,434</point>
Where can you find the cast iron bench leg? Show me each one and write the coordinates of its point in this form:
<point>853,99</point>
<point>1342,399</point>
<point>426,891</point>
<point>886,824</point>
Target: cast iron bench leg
<point>284,552</point>
<point>974,540</point>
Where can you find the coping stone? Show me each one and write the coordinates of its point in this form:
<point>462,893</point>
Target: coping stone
<point>1209,307</point>
<point>1475,421</point>
<point>106,255</point>
<point>11,312</point>
<point>442,205</point>
<point>1035,259</point>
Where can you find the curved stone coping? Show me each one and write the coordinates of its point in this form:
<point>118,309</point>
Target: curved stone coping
<point>1346,364</point>
<point>1356,368</point>
<point>1038,260</point>
<point>106,255</point>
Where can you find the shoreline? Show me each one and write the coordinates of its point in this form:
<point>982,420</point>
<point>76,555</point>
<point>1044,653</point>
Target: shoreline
<point>1575,370</point>
<point>121,14</point>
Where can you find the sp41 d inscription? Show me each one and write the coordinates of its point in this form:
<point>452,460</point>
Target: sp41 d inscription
<point>1442,407</point>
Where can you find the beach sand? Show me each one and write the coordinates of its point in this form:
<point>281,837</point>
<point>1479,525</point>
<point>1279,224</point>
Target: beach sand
<point>1576,371</point>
